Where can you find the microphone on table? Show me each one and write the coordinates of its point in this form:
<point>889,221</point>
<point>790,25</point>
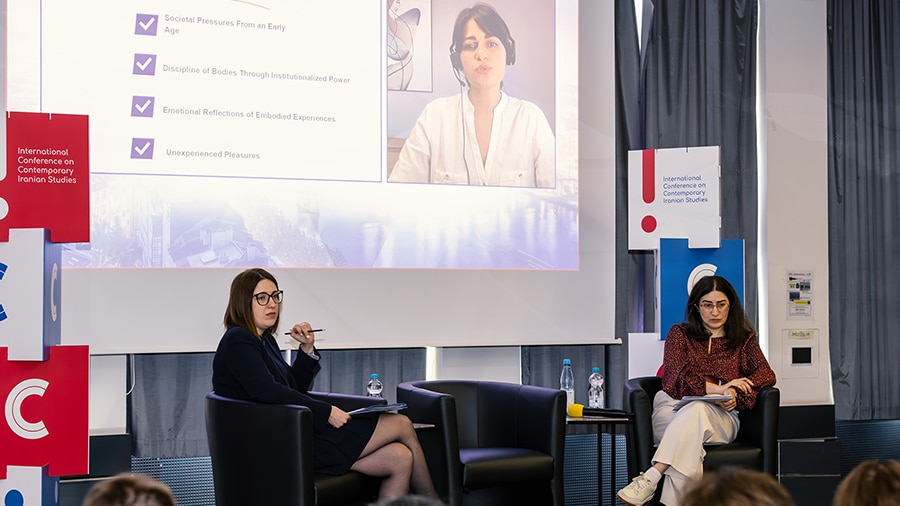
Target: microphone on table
<point>576,410</point>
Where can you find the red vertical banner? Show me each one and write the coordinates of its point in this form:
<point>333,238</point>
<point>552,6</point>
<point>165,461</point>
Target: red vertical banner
<point>45,418</point>
<point>47,180</point>
<point>648,176</point>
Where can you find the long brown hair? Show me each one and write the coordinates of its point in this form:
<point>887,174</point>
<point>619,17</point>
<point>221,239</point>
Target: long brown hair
<point>240,311</point>
<point>737,327</point>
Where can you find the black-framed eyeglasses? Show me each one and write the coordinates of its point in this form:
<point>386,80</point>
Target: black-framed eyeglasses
<point>262,298</point>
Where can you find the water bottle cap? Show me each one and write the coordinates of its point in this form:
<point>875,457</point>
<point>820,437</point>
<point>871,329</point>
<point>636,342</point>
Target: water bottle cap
<point>596,369</point>
<point>567,361</point>
<point>374,376</point>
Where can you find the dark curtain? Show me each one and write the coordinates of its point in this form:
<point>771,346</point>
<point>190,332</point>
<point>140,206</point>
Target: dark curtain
<point>635,291</point>
<point>700,90</point>
<point>863,210</point>
<point>348,371</point>
<point>693,85</point>
<point>166,404</point>
<point>542,365</point>
<point>167,399</point>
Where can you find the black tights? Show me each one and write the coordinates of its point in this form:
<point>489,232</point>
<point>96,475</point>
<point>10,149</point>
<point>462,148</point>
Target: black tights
<point>394,453</point>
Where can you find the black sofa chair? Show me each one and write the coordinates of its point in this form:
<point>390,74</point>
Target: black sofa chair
<point>490,434</point>
<point>755,447</point>
<point>262,454</point>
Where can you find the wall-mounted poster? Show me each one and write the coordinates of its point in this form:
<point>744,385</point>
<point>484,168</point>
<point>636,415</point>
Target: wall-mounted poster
<point>799,294</point>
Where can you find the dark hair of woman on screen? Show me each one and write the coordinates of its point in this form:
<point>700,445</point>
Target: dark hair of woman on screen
<point>481,135</point>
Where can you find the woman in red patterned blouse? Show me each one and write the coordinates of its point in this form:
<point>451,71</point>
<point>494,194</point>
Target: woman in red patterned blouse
<point>715,352</point>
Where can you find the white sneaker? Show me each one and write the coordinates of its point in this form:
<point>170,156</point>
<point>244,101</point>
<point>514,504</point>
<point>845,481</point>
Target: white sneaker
<point>639,491</point>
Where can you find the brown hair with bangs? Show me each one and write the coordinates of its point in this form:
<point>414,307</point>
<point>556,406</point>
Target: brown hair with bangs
<point>240,311</point>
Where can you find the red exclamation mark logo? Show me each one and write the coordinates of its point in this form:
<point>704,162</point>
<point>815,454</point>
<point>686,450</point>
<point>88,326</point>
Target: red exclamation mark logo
<point>648,187</point>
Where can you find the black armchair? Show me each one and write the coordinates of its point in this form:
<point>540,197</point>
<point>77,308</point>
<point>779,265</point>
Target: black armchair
<point>491,434</point>
<point>756,445</point>
<point>262,454</point>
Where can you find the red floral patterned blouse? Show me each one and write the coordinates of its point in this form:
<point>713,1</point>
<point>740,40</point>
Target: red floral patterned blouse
<point>687,364</point>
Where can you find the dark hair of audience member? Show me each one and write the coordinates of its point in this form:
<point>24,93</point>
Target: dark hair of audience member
<point>737,486</point>
<point>129,489</point>
<point>870,483</point>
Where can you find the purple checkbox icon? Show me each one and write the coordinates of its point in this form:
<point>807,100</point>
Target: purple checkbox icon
<point>145,24</point>
<point>142,107</point>
<point>141,148</point>
<point>144,64</point>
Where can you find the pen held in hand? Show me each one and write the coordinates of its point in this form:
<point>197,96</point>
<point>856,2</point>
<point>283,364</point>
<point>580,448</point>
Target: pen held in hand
<point>311,331</point>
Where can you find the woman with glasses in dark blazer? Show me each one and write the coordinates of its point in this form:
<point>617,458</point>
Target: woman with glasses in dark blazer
<point>248,365</point>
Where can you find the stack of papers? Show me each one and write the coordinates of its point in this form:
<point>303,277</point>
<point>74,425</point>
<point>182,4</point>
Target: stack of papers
<point>706,398</point>
<point>378,408</point>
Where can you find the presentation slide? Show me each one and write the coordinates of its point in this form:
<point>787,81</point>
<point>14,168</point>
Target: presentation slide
<point>334,143</point>
<point>221,89</point>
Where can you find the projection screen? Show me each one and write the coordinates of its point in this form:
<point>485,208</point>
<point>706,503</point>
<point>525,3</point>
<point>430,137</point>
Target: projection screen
<point>227,134</point>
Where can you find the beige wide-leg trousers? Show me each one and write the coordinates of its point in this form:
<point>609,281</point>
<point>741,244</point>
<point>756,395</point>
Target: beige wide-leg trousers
<point>680,436</point>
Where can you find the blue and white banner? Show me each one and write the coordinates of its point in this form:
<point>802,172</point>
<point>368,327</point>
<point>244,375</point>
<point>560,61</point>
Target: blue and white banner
<point>30,287</point>
<point>679,267</point>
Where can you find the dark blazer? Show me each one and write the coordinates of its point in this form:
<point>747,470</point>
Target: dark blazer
<point>246,368</point>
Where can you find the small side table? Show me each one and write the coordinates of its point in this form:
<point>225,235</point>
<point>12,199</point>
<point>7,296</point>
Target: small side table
<point>601,425</point>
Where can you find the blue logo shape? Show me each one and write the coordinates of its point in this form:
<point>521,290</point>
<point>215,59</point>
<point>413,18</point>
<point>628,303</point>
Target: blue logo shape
<point>680,267</point>
<point>3,268</point>
<point>14,498</point>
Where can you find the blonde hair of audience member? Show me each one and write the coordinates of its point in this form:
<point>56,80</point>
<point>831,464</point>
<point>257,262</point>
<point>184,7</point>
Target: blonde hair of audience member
<point>736,486</point>
<point>871,483</point>
<point>129,489</point>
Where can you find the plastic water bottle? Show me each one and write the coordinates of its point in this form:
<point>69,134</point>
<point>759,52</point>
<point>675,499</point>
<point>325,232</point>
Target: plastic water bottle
<point>375,386</point>
<point>567,382</point>
<point>595,392</point>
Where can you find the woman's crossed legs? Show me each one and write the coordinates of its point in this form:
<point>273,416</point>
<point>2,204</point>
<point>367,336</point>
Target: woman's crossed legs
<point>394,453</point>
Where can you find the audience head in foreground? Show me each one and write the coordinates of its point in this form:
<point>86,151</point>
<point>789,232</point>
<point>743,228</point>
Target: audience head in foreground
<point>871,483</point>
<point>129,489</point>
<point>737,486</point>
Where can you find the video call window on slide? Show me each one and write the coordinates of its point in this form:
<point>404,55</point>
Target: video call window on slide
<point>293,132</point>
<point>480,134</point>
